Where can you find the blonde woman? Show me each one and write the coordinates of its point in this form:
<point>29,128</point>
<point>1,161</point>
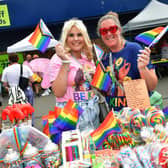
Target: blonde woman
<point>71,70</point>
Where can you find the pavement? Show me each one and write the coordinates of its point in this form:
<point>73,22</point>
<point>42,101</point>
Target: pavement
<point>45,104</point>
<point>42,106</point>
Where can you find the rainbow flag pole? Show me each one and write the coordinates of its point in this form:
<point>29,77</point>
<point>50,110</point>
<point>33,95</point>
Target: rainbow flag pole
<point>99,52</point>
<point>159,36</point>
<point>41,37</point>
<point>151,37</point>
<point>101,79</point>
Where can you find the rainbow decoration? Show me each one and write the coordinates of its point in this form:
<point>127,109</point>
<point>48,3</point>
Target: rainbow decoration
<point>41,37</point>
<point>17,138</point>
<point>101,80</point>
<point>61,119</point>
<point>151,37</point>
<point>99,52</point>
<point>108,127</point>
<point>69,116</point>
<point>66,120</point>
<point>72,105</point>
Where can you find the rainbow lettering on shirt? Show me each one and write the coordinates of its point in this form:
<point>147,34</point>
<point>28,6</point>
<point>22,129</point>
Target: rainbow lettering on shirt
<point>83,95</point>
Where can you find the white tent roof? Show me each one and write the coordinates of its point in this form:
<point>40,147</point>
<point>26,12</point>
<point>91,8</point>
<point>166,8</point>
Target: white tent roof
<point>25,45</point>
<point>154,14</point>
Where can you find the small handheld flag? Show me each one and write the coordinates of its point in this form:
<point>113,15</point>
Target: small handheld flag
<point>101,79</point>
<point>41,37</point>
<point>159,36</point>
<point>99,52</point>
<point>109,126</point>
<point>151,37</point>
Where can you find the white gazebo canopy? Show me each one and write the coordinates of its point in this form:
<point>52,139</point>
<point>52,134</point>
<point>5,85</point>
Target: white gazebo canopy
<point>25,45</point>
<point>153,15</point>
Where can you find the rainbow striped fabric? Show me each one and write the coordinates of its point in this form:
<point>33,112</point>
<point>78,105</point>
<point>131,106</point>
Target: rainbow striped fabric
<point>61,119</point>
<point>41,37</point>
<point>108,127</point>
<point>101,80</point>
<point>149,36</point>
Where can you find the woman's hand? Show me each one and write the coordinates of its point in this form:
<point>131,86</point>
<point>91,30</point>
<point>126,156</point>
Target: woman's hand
<point>144,58</point>
<point>61,52</point>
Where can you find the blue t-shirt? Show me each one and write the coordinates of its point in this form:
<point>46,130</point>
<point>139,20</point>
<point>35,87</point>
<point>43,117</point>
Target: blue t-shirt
<point>125,68</point>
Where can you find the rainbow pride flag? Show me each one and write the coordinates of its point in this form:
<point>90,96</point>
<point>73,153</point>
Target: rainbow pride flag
<point>41,37</point>
<point>68,117</point>
<point>101,80</point>
<point>99,52</point>
<point>151,37</point>
<point>61,119</point>
<point>66,120</point>
<point>108,127</point>
<point>72,105</point>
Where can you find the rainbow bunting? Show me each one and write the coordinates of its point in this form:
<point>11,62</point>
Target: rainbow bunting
<point>41,37</point>
<point>151,37</point>
<point>101,80</point>
<point>108,127</point>
<point>99,52</point>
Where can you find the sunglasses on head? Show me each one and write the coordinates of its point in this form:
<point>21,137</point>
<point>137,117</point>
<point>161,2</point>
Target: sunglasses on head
<point>111,29</point>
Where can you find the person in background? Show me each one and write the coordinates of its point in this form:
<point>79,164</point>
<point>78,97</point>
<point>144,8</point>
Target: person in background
<point>36,85</point>
<point>28,59</point>
<point>129,59</point>
<point>11,75</point>
<point>71,70</point>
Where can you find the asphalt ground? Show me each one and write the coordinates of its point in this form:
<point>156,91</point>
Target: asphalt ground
<point>45,104</point>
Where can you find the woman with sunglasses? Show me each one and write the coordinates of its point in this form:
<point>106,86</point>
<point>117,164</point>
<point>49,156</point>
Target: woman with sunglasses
<point>71,70</point>
<point>128,59</point>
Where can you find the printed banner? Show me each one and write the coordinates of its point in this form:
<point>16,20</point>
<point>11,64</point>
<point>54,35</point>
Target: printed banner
<point>4,16</point>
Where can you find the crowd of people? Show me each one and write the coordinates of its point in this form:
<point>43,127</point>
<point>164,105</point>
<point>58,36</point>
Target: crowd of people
<point>72,67</point>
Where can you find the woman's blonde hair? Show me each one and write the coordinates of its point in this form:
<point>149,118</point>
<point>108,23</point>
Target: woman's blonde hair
<point>87,50</point>
<point>109,15</point>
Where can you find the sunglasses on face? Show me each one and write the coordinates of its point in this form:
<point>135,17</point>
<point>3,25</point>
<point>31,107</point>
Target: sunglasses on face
<point>73,35</point>
<point>111,29</point>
